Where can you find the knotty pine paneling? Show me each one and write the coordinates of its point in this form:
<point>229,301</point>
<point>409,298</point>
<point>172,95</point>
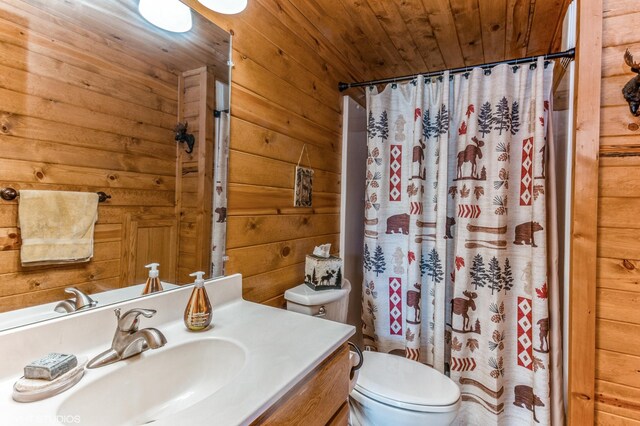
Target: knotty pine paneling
<point>618,277</point>
<point>617,404</point>
<point>284,95</point>
<point>396,37</point>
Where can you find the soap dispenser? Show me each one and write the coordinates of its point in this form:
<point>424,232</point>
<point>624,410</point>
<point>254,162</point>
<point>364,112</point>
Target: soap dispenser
<point>153,282</point>
<point>197,315</point>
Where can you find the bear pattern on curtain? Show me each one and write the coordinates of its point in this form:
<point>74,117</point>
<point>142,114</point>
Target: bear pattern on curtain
<point>455,250</point>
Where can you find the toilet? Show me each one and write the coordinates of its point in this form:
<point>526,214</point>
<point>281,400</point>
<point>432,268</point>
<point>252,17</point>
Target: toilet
<point>389,389</point>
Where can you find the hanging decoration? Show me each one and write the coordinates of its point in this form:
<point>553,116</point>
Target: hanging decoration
<point>183,136</point>
<point>631,90</point>
<point>303,182</point>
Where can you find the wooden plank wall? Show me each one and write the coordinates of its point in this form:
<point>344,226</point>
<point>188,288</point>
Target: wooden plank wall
<point>284,94</point>
<point>617,386</point>
<point>79,114</point>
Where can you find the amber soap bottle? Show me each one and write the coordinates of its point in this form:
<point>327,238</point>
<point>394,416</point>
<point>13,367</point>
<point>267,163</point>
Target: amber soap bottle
<point>153,282</point>
<point>197,315</point>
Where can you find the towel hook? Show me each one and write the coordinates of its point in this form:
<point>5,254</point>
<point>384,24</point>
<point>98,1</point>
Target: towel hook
<point>103,196</point>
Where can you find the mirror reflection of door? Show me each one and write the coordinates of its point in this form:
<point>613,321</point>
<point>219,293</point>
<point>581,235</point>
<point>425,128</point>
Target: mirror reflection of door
<point>149,240</point>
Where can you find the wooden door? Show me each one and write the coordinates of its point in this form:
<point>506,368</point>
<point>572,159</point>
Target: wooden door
<point>148,239</point>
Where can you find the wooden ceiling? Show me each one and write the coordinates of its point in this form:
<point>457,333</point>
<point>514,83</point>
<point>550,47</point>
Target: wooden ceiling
<point>119,25</point>
<point>387,38</point>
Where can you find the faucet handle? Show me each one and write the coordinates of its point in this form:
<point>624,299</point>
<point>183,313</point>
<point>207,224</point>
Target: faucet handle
<point>129,321</point>
<point>76,303</point>
<point>82,300</point>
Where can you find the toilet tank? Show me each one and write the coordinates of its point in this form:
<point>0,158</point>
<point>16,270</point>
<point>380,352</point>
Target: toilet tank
<point>328,304</point>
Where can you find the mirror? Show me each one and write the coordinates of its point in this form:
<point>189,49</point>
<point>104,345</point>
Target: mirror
<point>90,97</point>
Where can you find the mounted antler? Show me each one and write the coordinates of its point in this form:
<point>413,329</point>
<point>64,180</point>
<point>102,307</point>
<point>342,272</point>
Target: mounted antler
<point>183,136</point>
<point>631,90</point>
<point>628,59</point>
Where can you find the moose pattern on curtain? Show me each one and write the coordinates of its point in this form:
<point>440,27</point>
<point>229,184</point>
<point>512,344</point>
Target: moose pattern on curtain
<point>455,243</point>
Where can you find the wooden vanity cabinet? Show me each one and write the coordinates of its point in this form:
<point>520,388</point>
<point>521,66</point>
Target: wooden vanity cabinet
<point>319,399</point>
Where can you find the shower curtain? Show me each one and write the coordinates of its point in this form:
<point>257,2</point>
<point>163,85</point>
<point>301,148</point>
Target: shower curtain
<point>456,245</point>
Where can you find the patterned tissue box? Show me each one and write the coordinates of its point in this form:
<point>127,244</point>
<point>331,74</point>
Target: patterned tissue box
<point>323,273</point>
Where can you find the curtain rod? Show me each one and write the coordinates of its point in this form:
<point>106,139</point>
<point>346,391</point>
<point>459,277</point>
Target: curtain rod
<point>566,54</point>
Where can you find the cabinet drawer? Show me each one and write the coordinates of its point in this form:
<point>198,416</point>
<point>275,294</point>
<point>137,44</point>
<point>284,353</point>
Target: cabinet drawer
<point>318,398</point>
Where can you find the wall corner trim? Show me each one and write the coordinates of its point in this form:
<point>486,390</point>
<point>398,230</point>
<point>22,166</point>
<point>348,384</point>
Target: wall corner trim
<point>582,301</point>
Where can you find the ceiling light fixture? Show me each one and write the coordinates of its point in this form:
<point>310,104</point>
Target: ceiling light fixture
<point>228,7</point>
<point>170,15</point>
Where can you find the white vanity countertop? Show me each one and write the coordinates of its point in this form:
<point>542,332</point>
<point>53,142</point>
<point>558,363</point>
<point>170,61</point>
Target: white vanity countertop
<point>281,348</point>
<point>24,316</point>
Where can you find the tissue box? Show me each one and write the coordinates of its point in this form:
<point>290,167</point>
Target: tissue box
<point>323,273</point>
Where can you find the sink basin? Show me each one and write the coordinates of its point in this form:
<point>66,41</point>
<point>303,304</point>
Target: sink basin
<point>156,384</point>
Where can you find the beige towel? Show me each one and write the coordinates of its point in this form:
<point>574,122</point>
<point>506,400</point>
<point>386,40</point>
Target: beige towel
<point>56,226</point>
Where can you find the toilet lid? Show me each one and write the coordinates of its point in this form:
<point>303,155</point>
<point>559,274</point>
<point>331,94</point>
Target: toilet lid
<point>305,295</point>
<point>403,383</point>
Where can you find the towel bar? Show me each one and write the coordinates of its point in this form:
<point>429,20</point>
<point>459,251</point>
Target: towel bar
<point>10,194</point>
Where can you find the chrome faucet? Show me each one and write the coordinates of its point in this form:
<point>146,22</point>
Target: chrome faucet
<point>128,340</point>
<point>80,301</point>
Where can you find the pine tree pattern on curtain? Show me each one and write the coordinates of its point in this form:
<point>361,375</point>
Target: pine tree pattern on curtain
<point>455,243</point>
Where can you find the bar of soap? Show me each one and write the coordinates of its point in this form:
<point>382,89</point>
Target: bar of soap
<point>50,366</point>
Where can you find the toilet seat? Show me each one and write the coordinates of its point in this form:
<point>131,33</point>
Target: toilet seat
<point>409,385</point>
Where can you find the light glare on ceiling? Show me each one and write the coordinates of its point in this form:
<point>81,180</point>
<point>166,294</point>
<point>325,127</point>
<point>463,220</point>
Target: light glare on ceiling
<point>228,7</point>
<point>170,15</point>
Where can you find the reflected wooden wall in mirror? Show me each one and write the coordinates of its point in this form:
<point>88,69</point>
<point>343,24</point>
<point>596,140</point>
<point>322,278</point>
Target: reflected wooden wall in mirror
<point>90,94</point>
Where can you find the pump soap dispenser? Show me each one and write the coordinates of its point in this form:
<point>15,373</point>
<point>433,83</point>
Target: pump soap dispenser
<point>153,282</point>
<point>197,315</point>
